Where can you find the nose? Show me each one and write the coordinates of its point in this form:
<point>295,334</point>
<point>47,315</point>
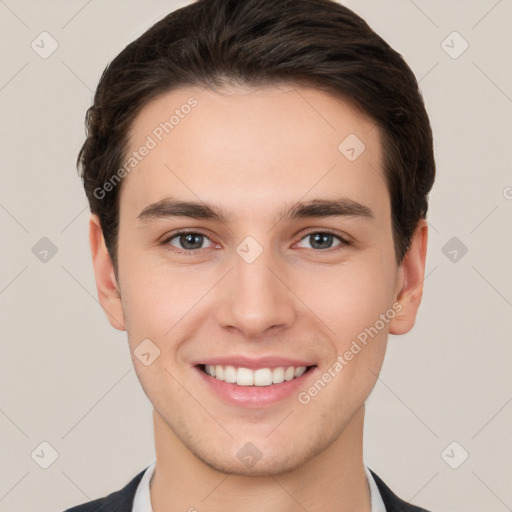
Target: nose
<point>256,298</point>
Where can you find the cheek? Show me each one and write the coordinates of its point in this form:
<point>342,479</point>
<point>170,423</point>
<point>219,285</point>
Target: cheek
<point>153,293</point>
<point>350,298</point>
<point>351,307</point>
<point>167,306</point>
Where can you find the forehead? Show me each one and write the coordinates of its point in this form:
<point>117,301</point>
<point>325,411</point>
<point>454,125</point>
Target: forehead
<point>253,146</point>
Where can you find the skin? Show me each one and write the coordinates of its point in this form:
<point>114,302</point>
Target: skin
<point>252,152</point>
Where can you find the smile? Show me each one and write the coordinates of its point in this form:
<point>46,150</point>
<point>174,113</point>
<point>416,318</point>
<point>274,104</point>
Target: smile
<point>255,388</point>
<point>257,377</point>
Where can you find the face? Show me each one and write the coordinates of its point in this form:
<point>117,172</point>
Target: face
<point>252,240</point>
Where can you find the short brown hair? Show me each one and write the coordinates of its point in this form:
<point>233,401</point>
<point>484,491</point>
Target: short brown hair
<point>317,43</point>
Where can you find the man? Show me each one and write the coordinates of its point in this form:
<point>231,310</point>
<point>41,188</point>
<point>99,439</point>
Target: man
<point>258,175</point>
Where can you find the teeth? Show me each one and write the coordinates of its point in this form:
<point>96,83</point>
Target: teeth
<point>289,373</point>
<point>278,375</point>
<point>299,371</point>
<point>259,377</point>
<point>230,374</point>
<point>244,377</point>
<point>263,377</point>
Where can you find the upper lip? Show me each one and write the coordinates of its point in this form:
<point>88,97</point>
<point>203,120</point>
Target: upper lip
<point>241,361</point>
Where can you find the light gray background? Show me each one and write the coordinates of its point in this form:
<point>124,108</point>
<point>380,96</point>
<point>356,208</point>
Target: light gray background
<point>66,375</point>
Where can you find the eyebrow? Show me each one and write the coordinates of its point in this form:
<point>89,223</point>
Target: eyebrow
<point>341,207</point>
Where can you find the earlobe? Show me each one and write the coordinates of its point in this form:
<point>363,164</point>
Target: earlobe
<point>106,282</point>
<point>411,276</point>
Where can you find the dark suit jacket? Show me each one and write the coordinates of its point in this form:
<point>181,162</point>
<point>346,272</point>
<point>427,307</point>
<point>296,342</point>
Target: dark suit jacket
<point>122,501</point>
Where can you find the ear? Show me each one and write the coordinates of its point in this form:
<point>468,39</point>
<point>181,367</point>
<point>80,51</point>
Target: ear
<point>106,282</point>
<point>410,281</point>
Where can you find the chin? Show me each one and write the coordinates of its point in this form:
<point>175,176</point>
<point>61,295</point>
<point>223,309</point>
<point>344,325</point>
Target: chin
<point>260,458</point>
<point>264,467</point>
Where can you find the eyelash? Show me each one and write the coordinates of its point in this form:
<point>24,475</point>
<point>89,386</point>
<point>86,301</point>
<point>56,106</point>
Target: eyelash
<point>343,241</point>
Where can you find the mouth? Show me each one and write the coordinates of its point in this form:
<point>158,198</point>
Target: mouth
<point>255,388</point>
<point>258,377</point>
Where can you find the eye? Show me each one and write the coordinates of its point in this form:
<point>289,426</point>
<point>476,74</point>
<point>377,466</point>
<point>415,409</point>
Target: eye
<point>322,240</point>
<point>191,241</point>
<point>187,241</point>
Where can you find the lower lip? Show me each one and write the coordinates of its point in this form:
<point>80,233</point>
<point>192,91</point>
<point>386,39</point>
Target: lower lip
<point>255,396</point>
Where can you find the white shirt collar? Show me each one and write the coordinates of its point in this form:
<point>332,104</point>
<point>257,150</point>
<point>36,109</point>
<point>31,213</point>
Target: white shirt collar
<point>376,498</point>
<point>142,501</point>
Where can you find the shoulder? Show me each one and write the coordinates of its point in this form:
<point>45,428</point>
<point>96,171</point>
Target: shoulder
<point>392,502</point>
<point>118,501</point>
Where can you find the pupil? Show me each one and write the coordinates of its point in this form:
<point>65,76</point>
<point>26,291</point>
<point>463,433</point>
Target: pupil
<point>321,240</point>
<point>191,241</point>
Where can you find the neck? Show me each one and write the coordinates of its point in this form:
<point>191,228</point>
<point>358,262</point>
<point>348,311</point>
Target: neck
<point>334,479</point>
